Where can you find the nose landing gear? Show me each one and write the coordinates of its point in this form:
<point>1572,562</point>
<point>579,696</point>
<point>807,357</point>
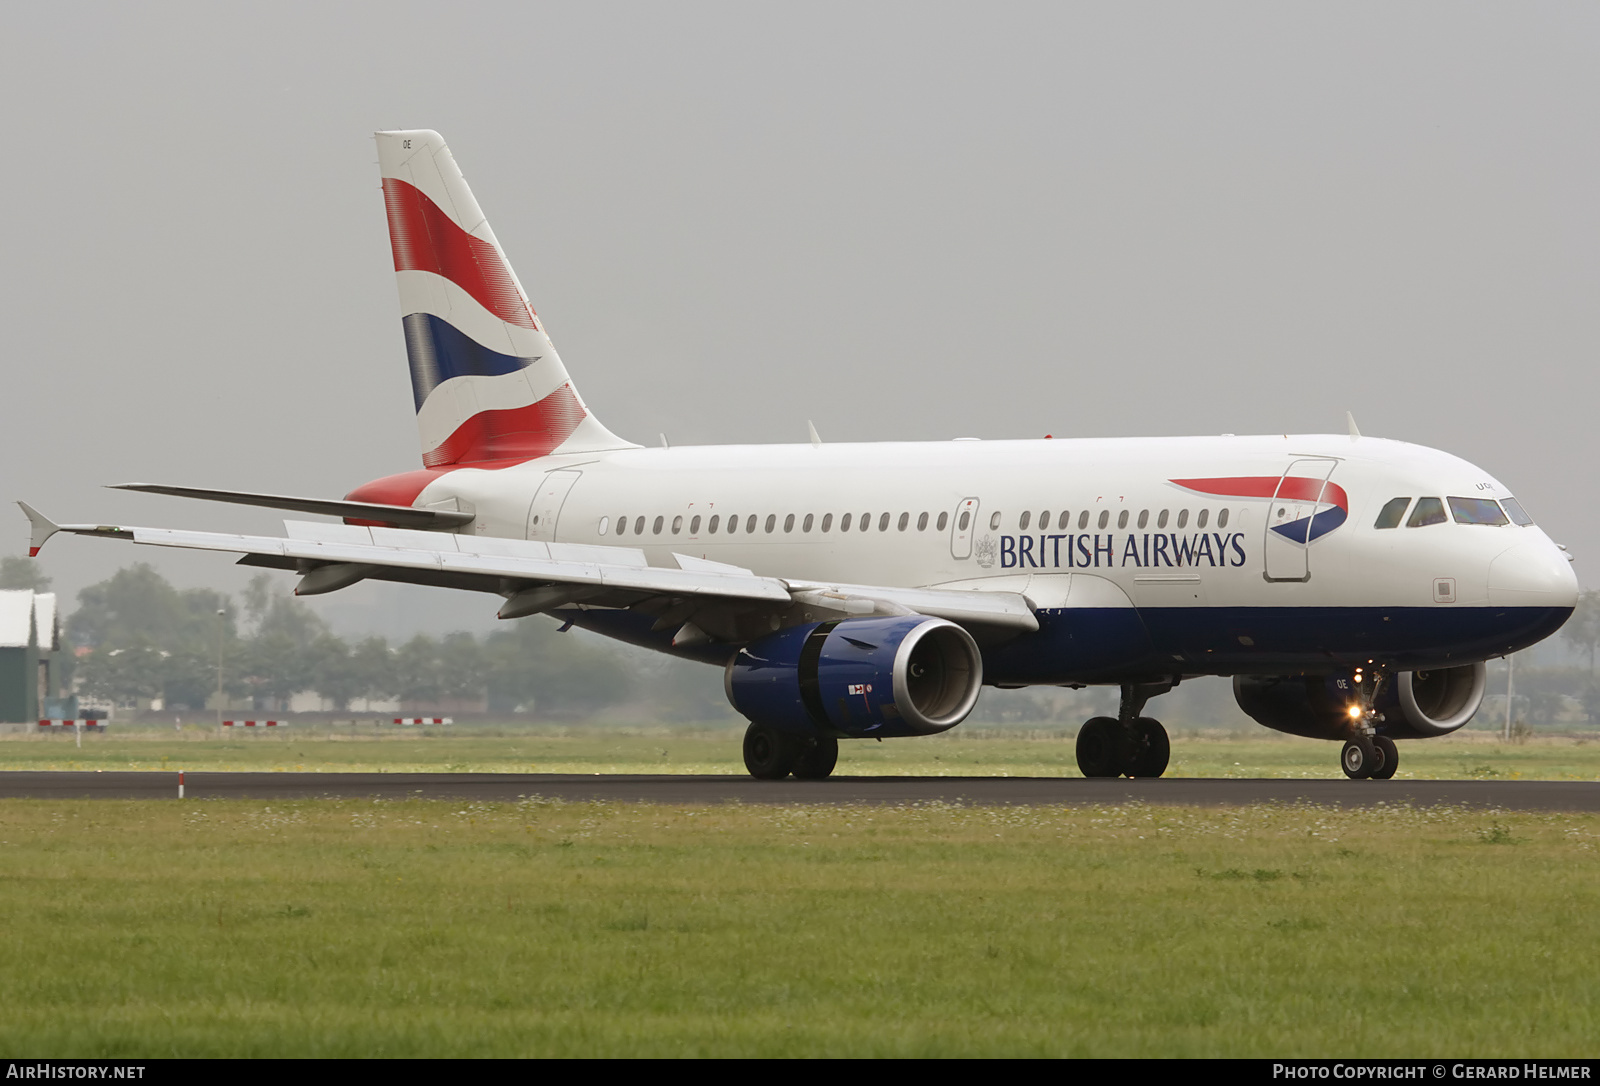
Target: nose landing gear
<point>1366,754</point>
<point>1374,757</point>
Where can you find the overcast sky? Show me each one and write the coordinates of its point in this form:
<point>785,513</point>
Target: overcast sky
<point>899,220</point>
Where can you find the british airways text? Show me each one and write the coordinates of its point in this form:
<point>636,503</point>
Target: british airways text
<point>1144,550</point>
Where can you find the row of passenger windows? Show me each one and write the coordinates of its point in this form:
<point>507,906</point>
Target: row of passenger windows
<point>1163,518</point>
<point>749,525</point>
<point>731,525</point>
<point>1465,511</point>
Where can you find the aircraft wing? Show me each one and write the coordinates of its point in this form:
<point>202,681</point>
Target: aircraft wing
<point>704,600</point>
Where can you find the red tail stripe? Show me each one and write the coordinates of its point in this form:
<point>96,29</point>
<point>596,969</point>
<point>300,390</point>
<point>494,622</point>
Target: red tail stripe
<point>424,238</point>
<point>519,433</point>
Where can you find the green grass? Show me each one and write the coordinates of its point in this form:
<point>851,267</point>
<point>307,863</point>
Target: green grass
<point>599,749</point>
<point>428,928</point>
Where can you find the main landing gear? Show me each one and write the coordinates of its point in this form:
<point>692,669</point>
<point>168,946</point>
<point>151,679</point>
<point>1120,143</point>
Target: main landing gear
<point>1366,754</point>
<point>1130,745</point>
<point>771,754</point>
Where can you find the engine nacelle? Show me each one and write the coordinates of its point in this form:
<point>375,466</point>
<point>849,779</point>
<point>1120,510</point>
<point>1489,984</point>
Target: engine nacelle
<point>896,676</point>
<point>1415,704</point>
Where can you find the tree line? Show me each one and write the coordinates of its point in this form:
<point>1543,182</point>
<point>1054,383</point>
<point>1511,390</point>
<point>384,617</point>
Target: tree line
<point>135,636</point>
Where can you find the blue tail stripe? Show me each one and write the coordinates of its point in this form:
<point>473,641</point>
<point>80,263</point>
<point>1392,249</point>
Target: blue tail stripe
<point>438,351</point>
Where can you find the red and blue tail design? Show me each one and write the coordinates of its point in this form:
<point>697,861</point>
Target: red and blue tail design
<point>490,389</point>
<point>1329,500</point>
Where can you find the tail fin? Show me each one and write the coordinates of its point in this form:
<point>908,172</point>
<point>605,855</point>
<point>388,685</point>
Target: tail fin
<point>488,384</point>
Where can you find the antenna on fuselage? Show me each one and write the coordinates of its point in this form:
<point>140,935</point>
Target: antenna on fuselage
<point>1351,419</point>
<point>816,440</point>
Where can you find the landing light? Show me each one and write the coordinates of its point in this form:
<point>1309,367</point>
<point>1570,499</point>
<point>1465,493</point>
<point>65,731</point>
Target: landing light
<point>1355,712</point>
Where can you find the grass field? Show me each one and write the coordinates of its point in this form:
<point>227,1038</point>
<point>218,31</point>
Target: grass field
<point>431,928</point>
<point>598,749</point>
<point>428,928</point>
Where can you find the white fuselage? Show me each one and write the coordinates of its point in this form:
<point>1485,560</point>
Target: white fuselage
<point>1118,530</point>
<point>896,493</point>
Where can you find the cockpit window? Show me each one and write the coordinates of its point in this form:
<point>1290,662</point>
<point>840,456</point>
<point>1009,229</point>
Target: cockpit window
<point>1393,509</point>
<point>1518,517</point>
<point>1428,511</point>
<point>1477,511</point>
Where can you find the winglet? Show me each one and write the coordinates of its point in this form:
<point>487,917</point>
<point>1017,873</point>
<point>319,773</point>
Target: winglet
<point>1351,419</point>
<point>43,529</point>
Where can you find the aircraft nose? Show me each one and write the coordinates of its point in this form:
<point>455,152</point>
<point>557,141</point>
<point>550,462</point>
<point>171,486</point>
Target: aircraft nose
<point>1534,573</point>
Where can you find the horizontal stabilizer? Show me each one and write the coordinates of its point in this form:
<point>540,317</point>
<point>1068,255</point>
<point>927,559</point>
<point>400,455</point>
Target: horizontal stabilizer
<point>400,516</point>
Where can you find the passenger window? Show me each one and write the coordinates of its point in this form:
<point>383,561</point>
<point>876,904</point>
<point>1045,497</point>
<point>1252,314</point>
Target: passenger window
<point>966,518</point>
<point>827,522</point>
<point>844,522</point>
<point>922,523</point>
<point>1022,522</point>
<point>638,526</point>
<point>733,525</point>
<point>994,523</point>
<point>605,522</point>
<point>1200,521</point>
<point>694,526</point>
<point>1477,511</point>
<point>1105,517</point>
<point>1161,520</point>
<point>1390,515</point>
<point>772,522</point>
<point>1083,520</point>
<point>711,529</point>
<point>1183,518</point>
<point>1144,517</point>
<point>866,521</point>
<point>1428,511</point>
<point>788,523</point>
<point>622,525</point>
<point>944,518</point>
<point>1519,516</point>
<point>806,526</point>
<point>1122,519</point>
<point>677,525</point>
<point>655,529</point>
<point>1222,518</point>
<point>905,519</point>
<point>750,524</point>
<point>883,522</point>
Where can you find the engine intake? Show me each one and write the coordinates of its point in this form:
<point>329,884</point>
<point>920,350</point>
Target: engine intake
<point>1415,705</point>
<point>895,676</point>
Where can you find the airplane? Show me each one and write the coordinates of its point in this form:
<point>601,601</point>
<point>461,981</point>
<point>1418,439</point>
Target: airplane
<point>1351,587</point>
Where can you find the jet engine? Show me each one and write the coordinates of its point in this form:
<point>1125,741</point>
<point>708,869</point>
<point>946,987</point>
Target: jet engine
<point>1414,704</point>
<point>860,677</point>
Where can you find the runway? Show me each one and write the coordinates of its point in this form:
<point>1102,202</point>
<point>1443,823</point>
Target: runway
<point>699,790</point>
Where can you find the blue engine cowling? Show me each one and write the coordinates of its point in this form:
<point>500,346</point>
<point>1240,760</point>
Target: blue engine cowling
<point>859,677</point>
<point>1415,704</point>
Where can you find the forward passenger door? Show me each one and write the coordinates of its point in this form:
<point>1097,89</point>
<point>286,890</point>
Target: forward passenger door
<point>1286,543</point>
